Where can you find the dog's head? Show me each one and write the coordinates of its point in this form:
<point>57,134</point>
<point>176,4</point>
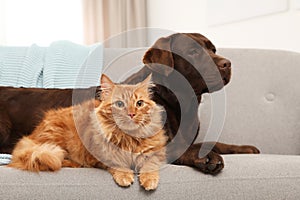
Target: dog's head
<point>192,55</point>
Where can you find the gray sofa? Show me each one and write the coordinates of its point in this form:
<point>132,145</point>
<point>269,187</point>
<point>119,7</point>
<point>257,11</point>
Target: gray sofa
<point>262,109</point>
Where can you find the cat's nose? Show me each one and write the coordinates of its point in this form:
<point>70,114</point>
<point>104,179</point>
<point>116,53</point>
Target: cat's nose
<point>131,115</point>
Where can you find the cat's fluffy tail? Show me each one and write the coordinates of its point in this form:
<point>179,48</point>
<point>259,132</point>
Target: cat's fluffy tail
<point>31,156</point>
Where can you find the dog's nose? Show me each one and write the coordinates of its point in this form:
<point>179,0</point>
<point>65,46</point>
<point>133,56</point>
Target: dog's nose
<point>224,63</point>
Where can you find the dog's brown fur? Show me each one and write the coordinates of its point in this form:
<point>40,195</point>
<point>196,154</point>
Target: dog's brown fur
<point>159,53</point>
<point>176,52</point>
<point>21,109</point>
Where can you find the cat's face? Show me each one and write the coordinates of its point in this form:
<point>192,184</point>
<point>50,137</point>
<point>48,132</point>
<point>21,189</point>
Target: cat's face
<point>130,106</point>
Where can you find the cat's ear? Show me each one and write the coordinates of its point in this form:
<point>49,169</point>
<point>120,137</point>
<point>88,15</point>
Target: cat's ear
<point>146,84</point>
<point>106,86</point>
<point>148,81</point>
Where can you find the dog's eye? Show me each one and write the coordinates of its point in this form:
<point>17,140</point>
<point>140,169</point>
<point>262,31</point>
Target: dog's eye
<point>139,103</point>
<point>214,50</point>
<point>119,104</point>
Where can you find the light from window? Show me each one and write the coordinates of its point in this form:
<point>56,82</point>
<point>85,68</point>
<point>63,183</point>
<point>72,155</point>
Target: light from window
<point>24,22</point>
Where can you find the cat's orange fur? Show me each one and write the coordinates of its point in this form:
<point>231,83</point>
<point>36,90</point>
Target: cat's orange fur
<point>103,134</point>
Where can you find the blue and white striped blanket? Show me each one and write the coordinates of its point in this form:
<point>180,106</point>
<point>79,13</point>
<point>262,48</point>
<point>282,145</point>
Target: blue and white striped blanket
<point>61,65</point>
<point>5,159</point>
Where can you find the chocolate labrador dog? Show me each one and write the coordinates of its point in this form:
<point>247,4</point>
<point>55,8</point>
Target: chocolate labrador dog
<point>183,67</point>
<point>188,64</point>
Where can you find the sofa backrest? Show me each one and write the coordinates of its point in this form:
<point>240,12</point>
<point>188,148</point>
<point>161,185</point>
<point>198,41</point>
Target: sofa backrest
<point>120,63</point>
<point>262,98</point>
<point>263,101</point>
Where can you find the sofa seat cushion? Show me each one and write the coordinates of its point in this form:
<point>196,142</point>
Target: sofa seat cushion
<point>244,177</point>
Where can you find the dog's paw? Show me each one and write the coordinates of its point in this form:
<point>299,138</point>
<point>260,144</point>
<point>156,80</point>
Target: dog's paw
<point>123,179</point>
<point>149,181</point>
<point>212,163</point>
<point>246,149</point>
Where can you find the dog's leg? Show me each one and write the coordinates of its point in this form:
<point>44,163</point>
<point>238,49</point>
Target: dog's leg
<point>234,149</point>
<point>211,163</point>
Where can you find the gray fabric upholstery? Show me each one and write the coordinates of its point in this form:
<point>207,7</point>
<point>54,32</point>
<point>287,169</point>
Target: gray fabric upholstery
<point>263,101</point>
<point>262,109</point>
<point>245,177</point>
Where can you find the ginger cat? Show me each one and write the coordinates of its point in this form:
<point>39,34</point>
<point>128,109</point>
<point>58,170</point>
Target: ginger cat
<point>123,133</point>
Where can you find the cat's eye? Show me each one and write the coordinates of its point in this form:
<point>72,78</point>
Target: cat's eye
<point>139,103</point>
<point>119,104</point>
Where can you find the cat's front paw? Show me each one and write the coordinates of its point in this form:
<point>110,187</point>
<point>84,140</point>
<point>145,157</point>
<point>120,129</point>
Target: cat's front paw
<point>123,179</point>
<point>149,181</point>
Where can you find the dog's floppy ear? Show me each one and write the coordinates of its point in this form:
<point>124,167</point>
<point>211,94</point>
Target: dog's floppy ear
<point>159,57</point>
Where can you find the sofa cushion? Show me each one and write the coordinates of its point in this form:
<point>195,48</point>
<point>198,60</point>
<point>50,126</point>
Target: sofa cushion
<point>262,101</point>
<point>244,177</point>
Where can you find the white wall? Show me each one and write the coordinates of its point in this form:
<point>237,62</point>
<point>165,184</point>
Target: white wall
<point>279,29</point>
<point>2,22</point>
<point>23,22</point>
